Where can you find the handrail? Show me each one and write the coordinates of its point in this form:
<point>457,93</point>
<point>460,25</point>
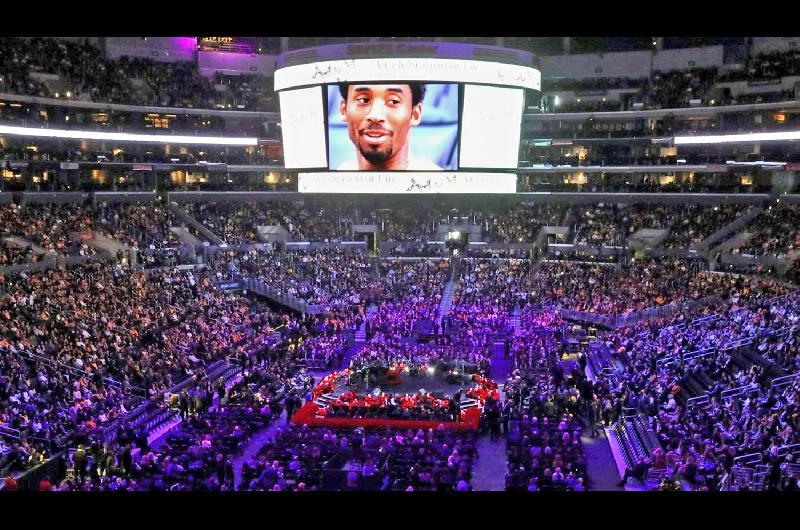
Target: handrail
<point>750,458</point>
<point>633,318</point>
<point>672,358</point>
<point>730,392</point>
<point>785,379</point>
<point>744,341</point>
<point>782,296</point>
<point>83,373</point>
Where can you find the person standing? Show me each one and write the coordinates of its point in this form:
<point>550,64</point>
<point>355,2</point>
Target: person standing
<point>275,407</point>
<point>222,391</point>
<point>594,415</point>
<point>494,422</point>
<point>126,459</point>
<point>289,403</point>
<point>183,404</point>
<point>79,462</point>
<point>505,415</point>
<point>199,399</point>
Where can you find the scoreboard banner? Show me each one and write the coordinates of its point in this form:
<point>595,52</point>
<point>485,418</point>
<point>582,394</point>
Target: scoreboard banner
<point>411,69</point>
<point>411,182</point>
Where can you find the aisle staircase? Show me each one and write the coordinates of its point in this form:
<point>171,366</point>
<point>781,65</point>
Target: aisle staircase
<point>449,290</point>
<point>447,299</point>
<point>258,287</point>
<point>194,223</point>
<point>185,236</point>
<point>375,261</point>
<point>722,234</point>
<point>630,439</point>
<point>516,322</point>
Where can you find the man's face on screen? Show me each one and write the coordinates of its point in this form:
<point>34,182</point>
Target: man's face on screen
<point>379,118</point>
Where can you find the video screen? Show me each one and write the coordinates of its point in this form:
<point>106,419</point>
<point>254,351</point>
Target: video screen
<point>393,126</point>
<point>491,127</point>
<point>303,128</point>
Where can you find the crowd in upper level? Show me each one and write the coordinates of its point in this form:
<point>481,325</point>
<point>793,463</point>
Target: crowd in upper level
<point>85,73</point>
<point>775,232</point>
<point>677,89</point>
<point>697,222</point>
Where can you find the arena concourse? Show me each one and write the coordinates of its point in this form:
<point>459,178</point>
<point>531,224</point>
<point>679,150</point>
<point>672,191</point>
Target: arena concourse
<point>225,267</point>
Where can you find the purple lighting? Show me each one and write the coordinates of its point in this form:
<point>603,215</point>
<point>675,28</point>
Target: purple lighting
<point>185,43</point>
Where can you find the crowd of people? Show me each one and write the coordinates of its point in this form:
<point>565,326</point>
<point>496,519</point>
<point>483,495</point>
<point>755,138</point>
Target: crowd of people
<point>82,346</point>
<point>198,455</point>
<point>612,225</point>
<point>769,65</point>
<point>45,231</point>
<point>85,73</point>
<point>486,295</point>
<point>617,289</point>
<point>676,89</point>
<point>13,254</point>
<point>51,155</point>
<point>316,459</point>
<point>522,223</point>
<point>85,346</point>
<point>333,221</point>
<point>139,225</point>
<point>54,228</point>
<point>667,363</point>
<point>543,409</point>
<point>696,223</point>
<point>775,232</point>
<point>330,275</point>
<point>237,223</point>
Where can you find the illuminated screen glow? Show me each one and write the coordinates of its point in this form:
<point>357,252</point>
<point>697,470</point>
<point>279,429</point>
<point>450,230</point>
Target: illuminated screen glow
<point>406,182</point>
<point>444,114</point>
<point>303,128</point>
<point>125,137</point>
<point>491,127</point>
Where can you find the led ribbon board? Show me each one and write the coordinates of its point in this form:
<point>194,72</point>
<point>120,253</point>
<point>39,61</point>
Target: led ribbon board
<point>403,182</point>
<point>731,138</point>
<point>425,70</point>
<point>125,137</point>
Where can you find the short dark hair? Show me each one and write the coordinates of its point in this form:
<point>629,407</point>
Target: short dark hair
<point>417,91</point>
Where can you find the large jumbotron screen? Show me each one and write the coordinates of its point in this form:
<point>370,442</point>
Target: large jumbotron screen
<point>402,125</point>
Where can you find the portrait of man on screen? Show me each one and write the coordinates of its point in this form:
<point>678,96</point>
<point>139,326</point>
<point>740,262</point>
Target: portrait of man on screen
<point>379,119</point>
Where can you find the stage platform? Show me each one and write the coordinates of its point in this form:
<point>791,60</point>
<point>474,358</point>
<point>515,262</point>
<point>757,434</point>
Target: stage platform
<point>307,416</point>
<point>441,386</point>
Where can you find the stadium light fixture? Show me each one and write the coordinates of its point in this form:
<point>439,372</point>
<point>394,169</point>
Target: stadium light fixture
<point>126,137</point>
